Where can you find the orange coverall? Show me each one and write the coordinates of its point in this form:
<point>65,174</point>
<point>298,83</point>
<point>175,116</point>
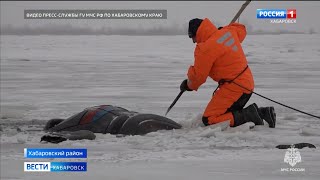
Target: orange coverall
<point>219,55</point>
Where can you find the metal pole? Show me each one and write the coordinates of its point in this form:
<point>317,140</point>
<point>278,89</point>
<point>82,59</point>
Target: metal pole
<point>240,11</point>
<point>174,102</point>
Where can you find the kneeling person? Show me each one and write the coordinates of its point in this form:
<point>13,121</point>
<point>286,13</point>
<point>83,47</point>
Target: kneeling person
<point>219,55</point>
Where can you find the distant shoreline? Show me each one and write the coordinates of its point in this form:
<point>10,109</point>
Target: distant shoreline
<point>255,33</point>
<point>155,31</point>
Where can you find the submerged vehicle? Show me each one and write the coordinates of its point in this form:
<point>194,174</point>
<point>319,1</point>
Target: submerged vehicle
<point>105,119</point>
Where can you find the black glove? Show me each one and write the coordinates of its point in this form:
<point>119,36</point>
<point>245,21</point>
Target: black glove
<point>184,86</point>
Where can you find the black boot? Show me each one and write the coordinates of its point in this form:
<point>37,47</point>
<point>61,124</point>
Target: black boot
<point>248,114</point>
<point>268,114</point>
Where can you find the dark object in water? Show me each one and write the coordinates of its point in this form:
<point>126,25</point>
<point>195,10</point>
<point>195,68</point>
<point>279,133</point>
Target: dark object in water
<point>298,146</point>
<point>105,119</point>
<point>57,137</point>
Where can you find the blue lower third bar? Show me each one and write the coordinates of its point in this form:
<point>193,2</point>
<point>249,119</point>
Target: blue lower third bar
<point>271,13</point>
<point>55,166</point>
<point>54,153</point>
<point>68,166</point>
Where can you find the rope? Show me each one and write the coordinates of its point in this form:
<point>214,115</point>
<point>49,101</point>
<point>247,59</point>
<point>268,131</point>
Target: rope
<point>222,81</point>
<point>277,101</point>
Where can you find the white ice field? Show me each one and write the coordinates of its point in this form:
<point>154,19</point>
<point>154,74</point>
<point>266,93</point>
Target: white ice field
<point>44,77</point>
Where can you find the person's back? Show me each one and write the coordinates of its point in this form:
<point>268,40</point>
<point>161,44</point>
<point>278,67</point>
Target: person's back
<point>221,56</point>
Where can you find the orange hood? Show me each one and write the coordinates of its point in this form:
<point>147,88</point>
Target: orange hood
<point>206,29</point>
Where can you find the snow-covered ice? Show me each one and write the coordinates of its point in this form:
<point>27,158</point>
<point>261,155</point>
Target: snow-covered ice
<point>44,77</point>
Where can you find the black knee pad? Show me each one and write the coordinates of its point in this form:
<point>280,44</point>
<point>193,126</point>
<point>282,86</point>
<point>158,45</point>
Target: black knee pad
<point>205,121</point>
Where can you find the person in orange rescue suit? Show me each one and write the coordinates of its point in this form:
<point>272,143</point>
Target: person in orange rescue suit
<point>218,54</point>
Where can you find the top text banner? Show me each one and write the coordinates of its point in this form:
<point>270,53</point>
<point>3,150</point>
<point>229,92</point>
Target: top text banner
<point>95,14</point>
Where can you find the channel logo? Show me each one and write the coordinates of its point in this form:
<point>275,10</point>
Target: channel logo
<point>37,166</point>
<point>55,166</point>
<point>278,15</point>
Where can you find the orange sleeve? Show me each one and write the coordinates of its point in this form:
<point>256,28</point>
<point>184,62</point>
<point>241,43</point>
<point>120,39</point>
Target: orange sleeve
<point>240,29</point>
<point>198,73</point>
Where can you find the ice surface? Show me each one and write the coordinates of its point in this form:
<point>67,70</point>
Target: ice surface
<point>44,77</point>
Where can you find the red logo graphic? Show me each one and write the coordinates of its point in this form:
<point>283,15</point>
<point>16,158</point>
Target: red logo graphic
<point>291,13</point>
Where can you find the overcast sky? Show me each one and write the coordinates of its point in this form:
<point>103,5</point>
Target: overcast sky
<point>178,13</point>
